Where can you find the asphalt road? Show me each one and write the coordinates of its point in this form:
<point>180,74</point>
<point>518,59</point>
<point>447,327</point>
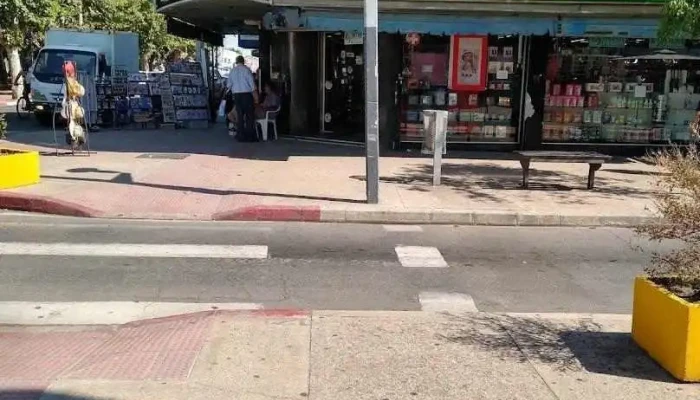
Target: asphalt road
<point>326,266</point>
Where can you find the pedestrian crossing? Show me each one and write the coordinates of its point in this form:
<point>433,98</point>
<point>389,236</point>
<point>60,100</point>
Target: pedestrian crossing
<point>134,250</point>
<point>407,256</point>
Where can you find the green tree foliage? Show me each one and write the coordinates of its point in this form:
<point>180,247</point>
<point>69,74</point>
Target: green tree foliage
<point>681,19</point>
<point>23,22</point>
<point>137,16</point>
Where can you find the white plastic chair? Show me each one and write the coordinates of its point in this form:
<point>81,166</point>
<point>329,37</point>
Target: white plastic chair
<point>270,118</point>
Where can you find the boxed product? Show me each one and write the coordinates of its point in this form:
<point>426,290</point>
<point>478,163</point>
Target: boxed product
<point>595,87</point>
<point>615,87</point>
<point>556,89</point>
<point>587,117</point>
<point>501,132</point>
<point>597,117</point>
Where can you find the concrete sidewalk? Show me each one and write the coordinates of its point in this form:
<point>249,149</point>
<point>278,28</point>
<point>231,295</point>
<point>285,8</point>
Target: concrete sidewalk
<point>205,175</point>
<point>256,355</point>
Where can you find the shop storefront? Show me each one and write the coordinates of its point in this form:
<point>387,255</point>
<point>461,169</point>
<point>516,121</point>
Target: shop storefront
<point>477,79</point>
<point>510,74</point>
<point>470,67</point>
<point>611,85</point>
<point>619,91</point>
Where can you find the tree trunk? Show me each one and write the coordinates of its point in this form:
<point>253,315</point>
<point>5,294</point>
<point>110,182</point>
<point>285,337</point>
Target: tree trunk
<point>15,69</point>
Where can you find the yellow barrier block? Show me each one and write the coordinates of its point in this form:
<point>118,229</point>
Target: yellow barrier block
<point>668,328</point>
<point>18,168</point>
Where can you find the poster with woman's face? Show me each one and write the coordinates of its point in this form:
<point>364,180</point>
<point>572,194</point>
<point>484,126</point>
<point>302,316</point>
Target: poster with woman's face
<point>469,63</point>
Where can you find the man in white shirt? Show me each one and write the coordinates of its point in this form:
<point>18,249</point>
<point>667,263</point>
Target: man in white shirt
<point>242,84</point>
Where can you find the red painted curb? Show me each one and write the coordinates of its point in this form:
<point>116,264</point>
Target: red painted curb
<point>271,213</point>
<point>44,205</point>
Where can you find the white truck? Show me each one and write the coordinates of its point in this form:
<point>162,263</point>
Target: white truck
<point>94,52</point>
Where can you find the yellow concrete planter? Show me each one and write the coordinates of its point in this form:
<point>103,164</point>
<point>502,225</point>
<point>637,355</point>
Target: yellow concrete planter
<point>18,168</point>
<point>668,328</point>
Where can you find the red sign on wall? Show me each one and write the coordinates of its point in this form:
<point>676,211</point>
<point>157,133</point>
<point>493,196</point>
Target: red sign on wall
<point>468,63</point>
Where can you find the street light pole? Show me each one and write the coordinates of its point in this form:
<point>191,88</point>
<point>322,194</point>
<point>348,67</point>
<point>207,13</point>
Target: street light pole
<point>371,101</point>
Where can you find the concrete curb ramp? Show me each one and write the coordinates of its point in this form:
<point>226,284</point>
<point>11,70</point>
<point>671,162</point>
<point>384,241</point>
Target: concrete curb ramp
<point>371,215</point>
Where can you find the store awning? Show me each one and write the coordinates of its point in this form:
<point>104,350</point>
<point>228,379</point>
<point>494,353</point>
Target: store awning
<point>591,27</point>
<point>434,24</point>
<point>189,31</point>
<point>224,16</point>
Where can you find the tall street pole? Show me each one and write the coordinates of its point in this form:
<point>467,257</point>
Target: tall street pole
<point>371,101</point>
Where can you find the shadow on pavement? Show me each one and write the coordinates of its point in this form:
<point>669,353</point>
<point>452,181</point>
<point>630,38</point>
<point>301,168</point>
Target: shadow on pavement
<point>127,179</point>
<point>472,179</point>
<point>41,395</point>
<point>575,346</point>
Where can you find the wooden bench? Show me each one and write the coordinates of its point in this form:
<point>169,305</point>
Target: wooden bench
<point>594,160</point>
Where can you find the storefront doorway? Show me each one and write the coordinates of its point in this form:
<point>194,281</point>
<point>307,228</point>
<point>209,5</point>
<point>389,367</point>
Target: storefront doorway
<point>342,86</point>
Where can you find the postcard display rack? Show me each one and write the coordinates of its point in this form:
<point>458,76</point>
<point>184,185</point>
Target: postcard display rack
<point>189,94</point>
<point>144,96</point>
<point>478,113</point>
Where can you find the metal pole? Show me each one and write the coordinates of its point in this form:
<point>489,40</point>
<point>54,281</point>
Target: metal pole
<point>371,101</point>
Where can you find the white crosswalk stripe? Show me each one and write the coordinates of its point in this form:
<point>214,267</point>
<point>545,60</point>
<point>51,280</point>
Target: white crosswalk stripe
<point>133,250</point>
<point>420,257</point>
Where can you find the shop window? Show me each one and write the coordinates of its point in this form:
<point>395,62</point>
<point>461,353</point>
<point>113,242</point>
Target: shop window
<point>619,91</point>
<point>485,115</point>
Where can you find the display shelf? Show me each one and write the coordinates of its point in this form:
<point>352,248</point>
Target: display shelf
<point>187,93</point>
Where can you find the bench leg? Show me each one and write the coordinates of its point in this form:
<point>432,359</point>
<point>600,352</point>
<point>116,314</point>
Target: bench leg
<point>591,174</point>
<point>526,173</point>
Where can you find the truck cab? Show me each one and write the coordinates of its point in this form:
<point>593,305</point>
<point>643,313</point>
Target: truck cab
<point>94,52</point>
<point>46,75</point>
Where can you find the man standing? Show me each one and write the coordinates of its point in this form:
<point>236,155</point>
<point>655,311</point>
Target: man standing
<point>242,85</point>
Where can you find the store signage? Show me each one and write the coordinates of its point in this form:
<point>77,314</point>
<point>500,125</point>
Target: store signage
<point>621,28</point>
<point>248,41</point>
<point>352,38</point>
<point>468,63</point>
<point>667,44</point>
<point>607,42</point>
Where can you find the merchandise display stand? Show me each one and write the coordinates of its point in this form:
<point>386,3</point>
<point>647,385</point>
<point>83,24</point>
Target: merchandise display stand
<point>190,96</point>
<point>105,102</point>
<point>56,114</point>
<point>142,88</point>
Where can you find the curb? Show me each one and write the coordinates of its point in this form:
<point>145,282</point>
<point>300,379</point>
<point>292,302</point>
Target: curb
<point>448,217</point>
<point>425,217</point>
<point>272,213</point>
<point>43,205</point>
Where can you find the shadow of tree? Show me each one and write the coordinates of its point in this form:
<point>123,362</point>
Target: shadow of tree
<point>476,180</point>
<point>575,346</point>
